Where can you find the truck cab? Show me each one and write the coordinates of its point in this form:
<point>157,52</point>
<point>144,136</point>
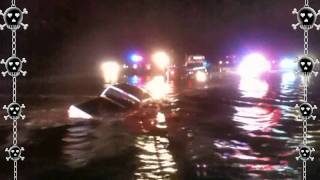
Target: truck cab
<point>195,67</point>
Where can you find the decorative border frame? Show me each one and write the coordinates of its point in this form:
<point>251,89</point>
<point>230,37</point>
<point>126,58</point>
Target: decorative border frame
<point>13,21</point>
<point>307,18</point>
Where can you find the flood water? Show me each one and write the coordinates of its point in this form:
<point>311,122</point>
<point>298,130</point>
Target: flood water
<point>232,128</point>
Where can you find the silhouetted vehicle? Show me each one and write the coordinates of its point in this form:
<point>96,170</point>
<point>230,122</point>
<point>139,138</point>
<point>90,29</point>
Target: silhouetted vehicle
<point>115,98</point>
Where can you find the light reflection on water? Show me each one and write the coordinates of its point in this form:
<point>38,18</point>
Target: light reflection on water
<point>155,159</point>
<point>253,87</point>
<point>247,131</point>
<point>266,130</point>
<point>260,120</point>
<point>256,118</point>
<point>135,80</point>
<point>77,145</point>
<point>86,142</point>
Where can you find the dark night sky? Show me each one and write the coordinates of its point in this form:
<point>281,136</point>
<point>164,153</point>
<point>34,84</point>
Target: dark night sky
<point>73,35</point>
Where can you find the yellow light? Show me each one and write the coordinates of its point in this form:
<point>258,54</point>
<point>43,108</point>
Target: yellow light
<point>158,87</point>
<point>201,76</point>
<point>161,59</point>
<point>111,72</point>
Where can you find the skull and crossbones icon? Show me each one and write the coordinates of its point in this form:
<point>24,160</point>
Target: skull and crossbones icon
<point>307,18</point>
<point>306,110</point>
<point>14,153</point>
<point>13,18</point>
<point>307,65</point>
<point>305,153</point>
<point>14,66</point>
<point>14,111</point>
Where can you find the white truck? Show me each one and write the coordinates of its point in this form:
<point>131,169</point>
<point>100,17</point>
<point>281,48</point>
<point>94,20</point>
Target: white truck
<point>195,67</point>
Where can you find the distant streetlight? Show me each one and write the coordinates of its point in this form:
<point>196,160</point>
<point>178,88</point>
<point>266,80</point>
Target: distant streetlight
<point>161,59</point>
<point>111,71</point>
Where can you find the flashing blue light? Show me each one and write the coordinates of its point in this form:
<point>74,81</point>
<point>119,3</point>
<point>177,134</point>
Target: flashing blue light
<point>206,64</point>
<point>136,58</point>
<point>134,80</point>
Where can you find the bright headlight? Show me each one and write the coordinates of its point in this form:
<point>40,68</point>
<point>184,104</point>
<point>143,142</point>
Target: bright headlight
<point>201,76</point>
